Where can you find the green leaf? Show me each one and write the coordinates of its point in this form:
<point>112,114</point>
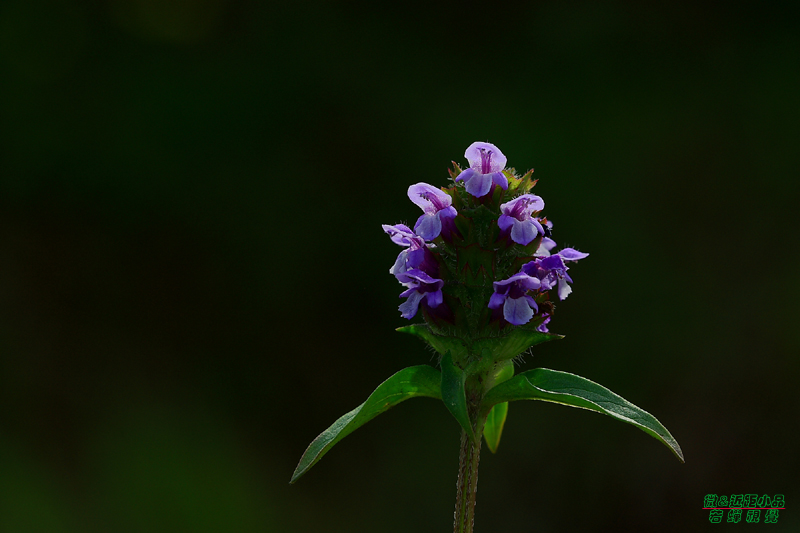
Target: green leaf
<point>410,382</point>
<point>575,391</point>
<point>453,394</point>
<point>493,428</point>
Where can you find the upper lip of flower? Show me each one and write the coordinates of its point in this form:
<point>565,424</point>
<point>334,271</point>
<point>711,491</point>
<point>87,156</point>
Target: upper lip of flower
<point>436,206</point>
<point>485,157</point>
<point>486,164</point>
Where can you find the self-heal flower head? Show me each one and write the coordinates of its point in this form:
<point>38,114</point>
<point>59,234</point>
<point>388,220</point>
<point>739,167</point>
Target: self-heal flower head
<point>517,216</point>
<point>486,164</point>
<point>552,270</point>
<point>437,209</point>
<point>420,285</point>
<point>510,294</point>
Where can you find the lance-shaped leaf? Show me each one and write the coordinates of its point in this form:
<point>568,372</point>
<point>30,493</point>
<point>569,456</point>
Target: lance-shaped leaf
<point>410,382</point>
<point>575,391</point>
<point>453,394</point>
<point>493,429</point>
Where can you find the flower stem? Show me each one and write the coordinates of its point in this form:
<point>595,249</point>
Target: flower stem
<point>467,485</point>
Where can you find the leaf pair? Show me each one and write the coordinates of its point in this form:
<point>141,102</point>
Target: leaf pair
<point>539,384</point>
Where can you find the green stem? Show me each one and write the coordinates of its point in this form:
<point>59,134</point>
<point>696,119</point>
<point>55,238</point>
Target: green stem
<point>467,486</point>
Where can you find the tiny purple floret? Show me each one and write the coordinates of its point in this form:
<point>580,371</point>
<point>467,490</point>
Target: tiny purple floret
<point>412,256</point>
<point>517,216</point>
<point>436,206</point>
<point>518,307</point>
<point>552,270</point>
<point>420,285</point>
<point>486,164</point>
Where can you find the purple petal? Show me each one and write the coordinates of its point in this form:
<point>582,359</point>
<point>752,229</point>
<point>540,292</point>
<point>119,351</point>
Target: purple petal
<point>517,311</point>
<point>522,206</point>
<point>477,154</point>
<point>529,283</point>
<point>399,266</point>
<point>538,226</point>
<point>424,277</point>
<point>531,302</point>
<point>571,254</point>
<point>554,262</point>
<point>546,245</point>
<point>429,198</point>
<point>435,298</point>
<point>409,308</point>
<point>466,175</point>
<point>428,227</point>
<point>516,277</point>
<point>496,301</point>
<point>523,232</point>
<point>399,233</point>
<point>505,222</point>
<point>564,289</point>
<point>410,290</point>
<point>415,257</point>
<point>543,326</point>
<point>500,179</point>
<point>479,185</point>
<point>447,212</point>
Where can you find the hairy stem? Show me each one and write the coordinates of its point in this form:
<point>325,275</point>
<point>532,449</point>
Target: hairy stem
<point>467,485</point>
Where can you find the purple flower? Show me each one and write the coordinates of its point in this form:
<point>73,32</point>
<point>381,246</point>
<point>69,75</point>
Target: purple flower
<point>437,209</point>
<point>552,270</point>
<point>412,256</point>
<point>420,285</point>
<point>546,243</point>
<point>517,216</point>
<point>518,307</point>
<point>486,164</point>
<point>542,328</point>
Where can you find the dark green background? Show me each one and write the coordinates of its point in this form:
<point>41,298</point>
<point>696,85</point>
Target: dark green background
<point>193,277</point>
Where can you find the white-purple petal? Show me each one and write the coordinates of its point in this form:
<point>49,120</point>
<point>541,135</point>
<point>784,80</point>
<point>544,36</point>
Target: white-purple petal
<point>505,222</point>
<point>543,326</point>
<point>479,184</point>
<point>538,226</point>
<point>429,198</point>
<point>516,277</point>
<point>466,175</point>
<point>408,309</point>
<point>428,226</point>
<point>500,180</point>
<point>485,157</point>
<point>545,246</point>
<point>399,266</point>
<point>399,233</point>
<point>571,254</point>
<point>564,289</point>
<point>517,311</point>
<point>523,232</point>
<point>435,298</point>
<point>522,206</point>
<point>497,300</point>
<point>447,212</point>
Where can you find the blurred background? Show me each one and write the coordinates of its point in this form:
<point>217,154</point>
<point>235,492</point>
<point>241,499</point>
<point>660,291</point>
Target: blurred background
<point>193,276</point>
